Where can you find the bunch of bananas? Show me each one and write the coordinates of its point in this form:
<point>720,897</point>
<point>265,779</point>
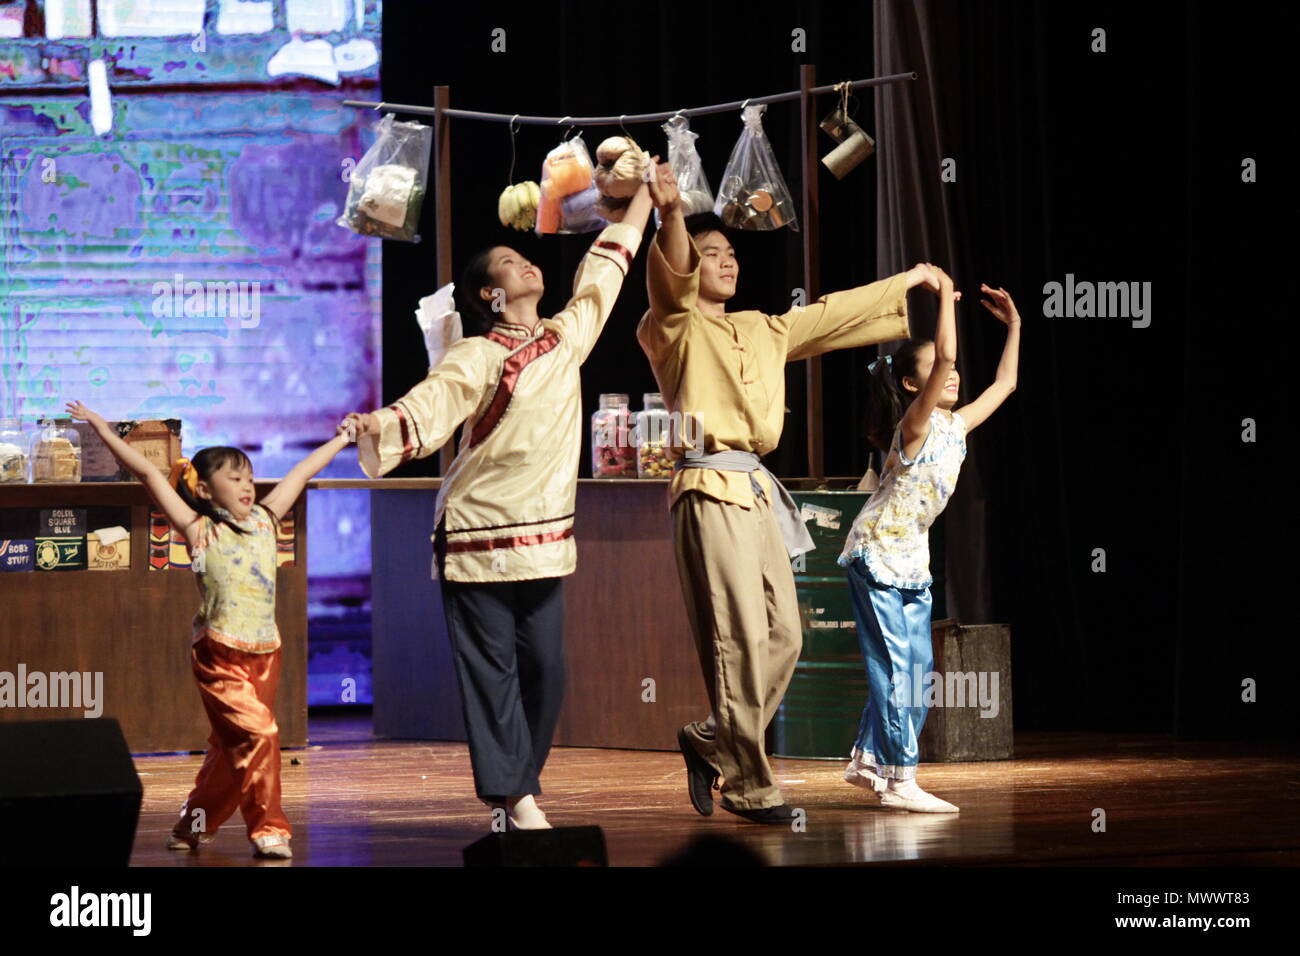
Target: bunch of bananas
<point>517,205</point>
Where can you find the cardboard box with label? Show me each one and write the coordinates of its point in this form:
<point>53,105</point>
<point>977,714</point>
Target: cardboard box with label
<point>17,554</point>
<point>61,539</point>
<point>108,549</point>
<point>159,440</point>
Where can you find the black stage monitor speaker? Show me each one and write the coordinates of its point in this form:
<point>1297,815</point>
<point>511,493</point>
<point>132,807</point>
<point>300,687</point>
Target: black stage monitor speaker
<point>561,846</point>
<point>69,794</point>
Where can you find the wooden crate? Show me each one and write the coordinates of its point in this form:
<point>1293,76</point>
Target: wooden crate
<point>960,733</point>
<point>159,440</point>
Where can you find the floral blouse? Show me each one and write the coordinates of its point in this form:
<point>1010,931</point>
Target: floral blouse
<point>236,577</point>
<point>891,533</point>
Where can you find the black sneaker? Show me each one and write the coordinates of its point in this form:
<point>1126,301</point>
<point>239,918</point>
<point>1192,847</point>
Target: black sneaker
<point>780,815</point>
<point>700,776</point>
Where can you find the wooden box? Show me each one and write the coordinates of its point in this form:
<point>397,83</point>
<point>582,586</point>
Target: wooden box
<point>61,539</point>
<point>973,721</point>
<point>114,556</point>
<point>159,440</point>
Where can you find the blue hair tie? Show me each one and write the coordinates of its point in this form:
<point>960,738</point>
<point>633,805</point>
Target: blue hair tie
<point>889,361</point>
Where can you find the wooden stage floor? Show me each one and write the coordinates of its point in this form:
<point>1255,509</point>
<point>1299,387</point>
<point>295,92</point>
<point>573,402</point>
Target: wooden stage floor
<point>357,801</point>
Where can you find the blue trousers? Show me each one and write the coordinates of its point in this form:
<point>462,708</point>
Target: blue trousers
<point>894,634</point>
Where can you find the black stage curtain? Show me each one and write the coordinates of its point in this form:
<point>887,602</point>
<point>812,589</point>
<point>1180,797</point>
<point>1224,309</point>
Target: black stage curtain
<point>915,223</point>
<point>1115,166</point>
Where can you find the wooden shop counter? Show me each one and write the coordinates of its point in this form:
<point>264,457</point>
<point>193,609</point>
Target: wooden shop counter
<point>633,673</point>
<point>127,630</point>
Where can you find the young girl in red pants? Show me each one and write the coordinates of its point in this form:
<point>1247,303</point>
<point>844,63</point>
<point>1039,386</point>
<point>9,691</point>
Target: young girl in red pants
<point>236,644</point>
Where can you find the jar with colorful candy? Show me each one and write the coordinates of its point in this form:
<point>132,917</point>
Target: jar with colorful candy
<point>612,453</point>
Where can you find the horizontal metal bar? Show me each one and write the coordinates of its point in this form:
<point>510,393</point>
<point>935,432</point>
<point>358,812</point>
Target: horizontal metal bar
<point>625,118</point>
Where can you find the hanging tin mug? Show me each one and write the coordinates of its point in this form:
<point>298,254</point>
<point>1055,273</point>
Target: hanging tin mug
<point>856,147</point>
<point>855,144</point>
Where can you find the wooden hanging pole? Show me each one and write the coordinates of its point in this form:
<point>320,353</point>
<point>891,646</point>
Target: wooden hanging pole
<point>623,117</point>
<point>811,262</point>
<point>442,215</point>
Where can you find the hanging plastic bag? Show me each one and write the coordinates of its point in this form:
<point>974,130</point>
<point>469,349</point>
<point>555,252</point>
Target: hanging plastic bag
<point>387,187</point>
<point>569,194</point>
<point>754,194</point>
<point>687,168</point>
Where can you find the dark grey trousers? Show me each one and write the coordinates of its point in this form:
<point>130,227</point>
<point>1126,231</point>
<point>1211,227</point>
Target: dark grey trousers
<point>507,640</point>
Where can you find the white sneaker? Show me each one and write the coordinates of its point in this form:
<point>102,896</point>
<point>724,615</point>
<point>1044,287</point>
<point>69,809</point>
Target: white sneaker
<point>527,815</point>
<point>184,841</point>
<point>864,777</point>
<point>272,848</point>
<point>906,795</point>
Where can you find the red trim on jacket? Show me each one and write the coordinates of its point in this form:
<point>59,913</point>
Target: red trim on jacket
<point>406,433</point>
<point>510,372</point>
<point>515,541</point>
<point>616,247</point>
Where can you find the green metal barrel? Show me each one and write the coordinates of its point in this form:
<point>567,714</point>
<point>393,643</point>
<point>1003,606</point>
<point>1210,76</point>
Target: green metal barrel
<point>819,715</point>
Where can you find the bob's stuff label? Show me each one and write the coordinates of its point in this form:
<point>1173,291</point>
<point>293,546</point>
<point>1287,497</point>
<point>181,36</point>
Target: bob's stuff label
<point>17,555</point>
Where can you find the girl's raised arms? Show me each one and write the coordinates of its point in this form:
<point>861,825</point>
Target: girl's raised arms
<point>181,515</point>
<point>1004,383</point>
<point>281,498</point>
<point>916,420</point>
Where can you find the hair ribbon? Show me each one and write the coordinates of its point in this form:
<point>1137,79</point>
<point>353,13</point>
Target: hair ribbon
<point>183,468</point>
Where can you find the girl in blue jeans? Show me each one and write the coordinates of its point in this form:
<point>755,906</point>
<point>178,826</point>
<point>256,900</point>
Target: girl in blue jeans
<point>913,420</point>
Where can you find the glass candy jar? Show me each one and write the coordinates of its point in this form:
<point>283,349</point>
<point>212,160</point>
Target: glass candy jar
<point>56,451</point>
<point>652,438</point>
<point>14,443</point>
<point>612,454</point>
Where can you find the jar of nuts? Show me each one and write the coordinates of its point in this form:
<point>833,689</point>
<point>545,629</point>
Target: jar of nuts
<point>56,451</point>
<point>652,438</point>
<point>13,451</point>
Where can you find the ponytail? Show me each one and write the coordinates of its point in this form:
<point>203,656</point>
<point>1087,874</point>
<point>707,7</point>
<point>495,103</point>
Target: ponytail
<point>887,399</point>
<point>186,474</point>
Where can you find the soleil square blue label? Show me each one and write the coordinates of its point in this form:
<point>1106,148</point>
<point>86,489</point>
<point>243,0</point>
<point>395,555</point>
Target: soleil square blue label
<point>17,555</point>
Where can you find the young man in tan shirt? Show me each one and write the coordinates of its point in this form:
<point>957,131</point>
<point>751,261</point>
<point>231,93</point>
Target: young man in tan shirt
<point>722,375</point>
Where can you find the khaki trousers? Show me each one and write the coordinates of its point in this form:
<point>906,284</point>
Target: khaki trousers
<point>740,600</point>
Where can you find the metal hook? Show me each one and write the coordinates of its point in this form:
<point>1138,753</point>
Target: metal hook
<point>565,119</point>
<point>621,117</point>
<point>511,177</point>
